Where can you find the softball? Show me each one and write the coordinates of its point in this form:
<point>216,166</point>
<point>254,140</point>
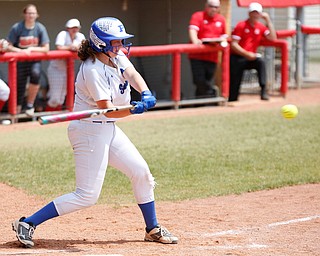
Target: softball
<point>289,111</point>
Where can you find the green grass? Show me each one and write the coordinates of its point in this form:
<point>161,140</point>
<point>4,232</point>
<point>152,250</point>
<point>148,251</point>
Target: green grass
<point>190,157</point>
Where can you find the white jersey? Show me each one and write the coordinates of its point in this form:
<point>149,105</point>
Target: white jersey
<point>98,81</point>
<point>64,39</point>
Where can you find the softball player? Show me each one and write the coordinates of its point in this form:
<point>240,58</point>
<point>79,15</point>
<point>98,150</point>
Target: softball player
<point>103,81</point>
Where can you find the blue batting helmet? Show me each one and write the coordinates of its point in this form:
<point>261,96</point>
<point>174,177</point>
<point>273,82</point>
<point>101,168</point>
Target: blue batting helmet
<point>104,30</point>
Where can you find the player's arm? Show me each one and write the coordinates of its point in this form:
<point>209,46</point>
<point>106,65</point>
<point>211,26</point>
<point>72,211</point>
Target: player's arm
<point>103,104</point>
<point>12,48</point>
<point>71,47</point>
<point>193,36</point>
<point>44,48</point>
<point>237,49</point>
<point>137,82</point>
<point>135,79</point>
<point>272,35</point>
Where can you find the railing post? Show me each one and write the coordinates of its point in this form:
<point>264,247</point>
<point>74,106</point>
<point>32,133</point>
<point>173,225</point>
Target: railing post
<point>284,68</point>
<point>12,82</point>
<point>70,84</point>
<point>176,78</point>
<point>225,63</point>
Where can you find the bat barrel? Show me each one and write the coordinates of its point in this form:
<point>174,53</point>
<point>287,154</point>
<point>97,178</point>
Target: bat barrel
<point>78,115</point>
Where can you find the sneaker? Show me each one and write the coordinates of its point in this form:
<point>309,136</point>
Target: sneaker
<point>24,232</point>
<point>161,235</point>
<point>30,111</point>
<point>264,95</point>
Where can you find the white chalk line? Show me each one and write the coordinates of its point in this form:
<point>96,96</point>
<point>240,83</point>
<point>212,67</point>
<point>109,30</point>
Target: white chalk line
<point>32,252</point>
<point>221,233</point>
<point>103,255</point>
<point>275,224</point>
<point>232,247</point>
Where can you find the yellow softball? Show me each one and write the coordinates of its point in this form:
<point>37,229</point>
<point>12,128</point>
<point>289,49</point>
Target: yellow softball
<point>289,111</point>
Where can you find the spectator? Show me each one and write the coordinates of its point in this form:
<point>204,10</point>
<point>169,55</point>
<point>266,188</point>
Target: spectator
<point>203,25</point>
<point>4,89</point>
<point>28,36</point>
<point>69,39</point>
<point>4,93</point>
<point>246,38</point>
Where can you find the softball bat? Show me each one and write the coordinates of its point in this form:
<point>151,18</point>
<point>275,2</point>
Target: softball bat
<point>57,118</point>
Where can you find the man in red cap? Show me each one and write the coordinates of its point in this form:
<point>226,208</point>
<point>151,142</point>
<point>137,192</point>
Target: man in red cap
<point>246,38</point>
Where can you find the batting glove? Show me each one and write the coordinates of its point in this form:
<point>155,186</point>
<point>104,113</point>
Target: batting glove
<point>138,107</point>
<point>148,99</point>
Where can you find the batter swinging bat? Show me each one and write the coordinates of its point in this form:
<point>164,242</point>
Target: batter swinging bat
<point>79,115</point>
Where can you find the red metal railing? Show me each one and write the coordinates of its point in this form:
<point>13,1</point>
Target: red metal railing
<point>283,46</point>
<point>174,49</point>
<point>310,29</point>
<point>12,58</point>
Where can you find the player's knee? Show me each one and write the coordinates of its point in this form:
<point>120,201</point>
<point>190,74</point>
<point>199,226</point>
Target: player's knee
<point>144,178</point>
<point>88,198</point>
<point>35,77</point>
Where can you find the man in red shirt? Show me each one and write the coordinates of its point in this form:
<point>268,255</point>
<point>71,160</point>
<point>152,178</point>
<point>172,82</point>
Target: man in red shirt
<point>205,25</point>
<point>246,38</point>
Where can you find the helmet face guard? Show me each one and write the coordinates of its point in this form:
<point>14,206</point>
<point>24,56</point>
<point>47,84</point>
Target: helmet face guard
<point>104,30</point>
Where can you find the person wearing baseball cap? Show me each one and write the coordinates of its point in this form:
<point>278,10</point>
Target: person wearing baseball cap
<point>255,7</point>
<point>73,23</point>
<point>104,81</point>
<point>203,26</point>
<point>246,37</point>
<point>68,39</point>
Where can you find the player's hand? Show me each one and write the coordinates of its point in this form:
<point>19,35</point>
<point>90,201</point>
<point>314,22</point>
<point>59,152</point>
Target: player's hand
<point>3,45</point>
<point>139,107</point>
<point>148,99</point>
<point>251,56</point>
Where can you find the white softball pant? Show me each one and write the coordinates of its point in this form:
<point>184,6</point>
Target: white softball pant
<point>95,146</point>
<point>4,91</point>
<point>57,78</point>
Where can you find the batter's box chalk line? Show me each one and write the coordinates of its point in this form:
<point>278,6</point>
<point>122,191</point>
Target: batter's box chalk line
<point>103,255</point>
<point>233,247</point>
<point>35,252</point>
<point>43,252</point>
<point>271,225</point>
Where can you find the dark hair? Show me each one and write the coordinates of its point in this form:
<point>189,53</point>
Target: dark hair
<point>28,6</point>
<point>85,51</point>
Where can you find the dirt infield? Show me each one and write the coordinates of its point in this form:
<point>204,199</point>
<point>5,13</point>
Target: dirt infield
<point>282,222</point>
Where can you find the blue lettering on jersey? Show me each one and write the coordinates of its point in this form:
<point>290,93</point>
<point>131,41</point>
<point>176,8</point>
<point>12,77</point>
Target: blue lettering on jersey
<point>123,87</point>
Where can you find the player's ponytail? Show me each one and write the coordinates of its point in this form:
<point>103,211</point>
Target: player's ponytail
<point>85,51</point>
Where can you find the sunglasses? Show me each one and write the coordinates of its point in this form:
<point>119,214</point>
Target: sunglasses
<point>212,6</point>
